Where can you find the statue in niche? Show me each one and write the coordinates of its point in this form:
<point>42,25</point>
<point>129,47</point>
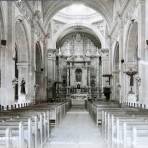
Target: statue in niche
<point>78,74</point>
<point>23,91</point>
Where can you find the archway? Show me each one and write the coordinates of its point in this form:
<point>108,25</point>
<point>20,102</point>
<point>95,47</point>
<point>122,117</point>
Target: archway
<point>85,37</point>
<point>21,58</point>
<point>78,41</point>
<point>132,56</point>
<point>78,52</point>
<point>70,28</point>
<point>116,72</point>
<point>132,44</point>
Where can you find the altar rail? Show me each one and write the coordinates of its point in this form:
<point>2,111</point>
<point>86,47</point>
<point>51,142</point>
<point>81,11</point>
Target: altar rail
<point>135,105</point>
<point>14,106</point>
<point>94,91</point>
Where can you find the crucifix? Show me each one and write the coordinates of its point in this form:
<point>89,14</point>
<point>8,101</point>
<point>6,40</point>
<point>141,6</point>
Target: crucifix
<point>131,74</point>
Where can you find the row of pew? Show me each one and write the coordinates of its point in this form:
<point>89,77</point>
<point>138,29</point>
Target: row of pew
<point>30,126</point>
<point>125,127</point>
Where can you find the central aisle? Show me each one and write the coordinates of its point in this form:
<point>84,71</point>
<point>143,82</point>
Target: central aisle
<point>77,130</point>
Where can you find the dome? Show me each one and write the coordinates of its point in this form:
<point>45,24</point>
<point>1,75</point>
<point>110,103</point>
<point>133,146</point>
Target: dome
<point>78,12</point>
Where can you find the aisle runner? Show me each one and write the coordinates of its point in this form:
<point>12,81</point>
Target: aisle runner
<point>76,131</point>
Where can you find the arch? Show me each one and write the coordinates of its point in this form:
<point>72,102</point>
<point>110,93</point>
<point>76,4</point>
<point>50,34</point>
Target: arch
<point>83,27</point>
<point>21,41</point>
<point>116,57</point>
<point>92,38</point>
<point>98,6</point>
<point>78,43</point>
<point>132,43</point>
<point>131,52</point>
<point>23,58</point>
<point>24,24</point>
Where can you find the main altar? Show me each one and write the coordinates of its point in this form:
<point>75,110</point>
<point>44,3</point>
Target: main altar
<point>78,79</point>
<point>78,68</point>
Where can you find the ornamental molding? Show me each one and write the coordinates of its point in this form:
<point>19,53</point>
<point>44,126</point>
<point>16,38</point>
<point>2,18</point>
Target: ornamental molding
<point>126,12</point>
<point>33,18</point>
<point>24,10</point>
<point>130,11</point>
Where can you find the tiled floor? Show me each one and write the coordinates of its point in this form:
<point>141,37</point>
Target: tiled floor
<point>77,130</point>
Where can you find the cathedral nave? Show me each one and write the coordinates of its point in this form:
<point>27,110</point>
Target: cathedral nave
<point>73,73</point>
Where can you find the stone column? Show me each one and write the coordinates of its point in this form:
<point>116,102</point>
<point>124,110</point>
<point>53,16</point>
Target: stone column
<point>68,78</point>
<point>2,74</point>
<point>54,67</point>
<point>100,77</point>
<point>60,69</point>
<point>87,74</point>
<point>121,68</point>
<point>105,64</point>
<point>97,68</point>
<point>51,71</point>
<point>45,69</point>
<point>32,92</point>
<point>9,63</point>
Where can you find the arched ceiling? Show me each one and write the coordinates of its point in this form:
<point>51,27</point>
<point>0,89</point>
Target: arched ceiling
<point>95,40</point>
<point>79,29</point>
<point>78,13</point>
<point>104,7</point>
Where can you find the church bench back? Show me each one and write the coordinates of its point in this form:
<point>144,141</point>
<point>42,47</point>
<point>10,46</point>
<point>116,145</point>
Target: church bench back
<point>23,114</point>
<point>137,120</point>
<point>114,119</point>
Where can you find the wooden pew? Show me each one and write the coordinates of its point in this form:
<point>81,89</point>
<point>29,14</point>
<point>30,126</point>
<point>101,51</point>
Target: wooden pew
<point>117,127</point>
<point>38,123</point>
<point>123,127</point>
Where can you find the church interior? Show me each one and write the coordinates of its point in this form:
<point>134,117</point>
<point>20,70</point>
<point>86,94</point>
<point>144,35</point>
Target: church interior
<point>73,74</point>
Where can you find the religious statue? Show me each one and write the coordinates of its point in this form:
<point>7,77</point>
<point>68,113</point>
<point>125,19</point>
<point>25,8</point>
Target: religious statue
<point>78,86</point>
<point>78,74</point>
<point>23,91</point>
<point>131,74</point>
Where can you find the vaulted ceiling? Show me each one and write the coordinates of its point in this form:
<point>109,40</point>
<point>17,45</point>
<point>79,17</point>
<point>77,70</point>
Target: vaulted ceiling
<point>104,7</point>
